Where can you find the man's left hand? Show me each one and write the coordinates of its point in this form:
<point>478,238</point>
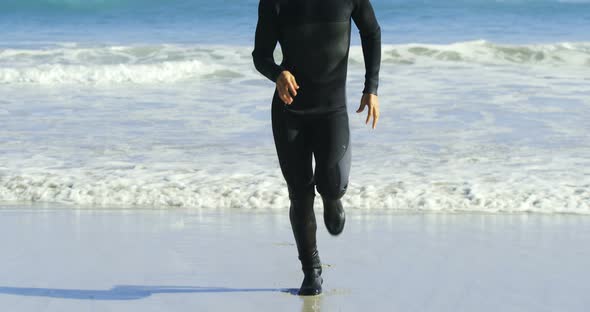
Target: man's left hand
<point>372,102</point>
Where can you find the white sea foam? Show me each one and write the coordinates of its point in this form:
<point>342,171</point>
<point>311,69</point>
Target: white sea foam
<point>482,132</point>
<point>70,64</point>
<point>478,182</point>
<point>485,52</point>
<point>73,64</point>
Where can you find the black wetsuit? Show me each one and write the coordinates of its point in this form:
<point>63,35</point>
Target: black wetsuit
<point>314,36</point>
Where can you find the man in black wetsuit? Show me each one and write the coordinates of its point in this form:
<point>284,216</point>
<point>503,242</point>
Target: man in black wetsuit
<point>309,106</point>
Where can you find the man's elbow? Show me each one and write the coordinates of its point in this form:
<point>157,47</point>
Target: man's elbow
<point>254,57</point>
<point>257,60</point>
<point>373,33</point>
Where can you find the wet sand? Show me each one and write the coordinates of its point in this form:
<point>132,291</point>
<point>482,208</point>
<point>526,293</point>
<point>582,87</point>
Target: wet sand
<point>62,259</point>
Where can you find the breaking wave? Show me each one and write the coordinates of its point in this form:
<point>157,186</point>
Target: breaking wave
<point>135,185</point>
<point>74,64</point>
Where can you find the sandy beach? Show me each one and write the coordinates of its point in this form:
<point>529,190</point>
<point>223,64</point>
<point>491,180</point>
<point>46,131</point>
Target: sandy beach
<point>63,259</point>
<point>139,171</point>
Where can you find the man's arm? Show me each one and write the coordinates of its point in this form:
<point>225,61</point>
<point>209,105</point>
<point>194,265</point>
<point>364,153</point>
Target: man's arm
<point>370,31</point>
<point>265,41</point>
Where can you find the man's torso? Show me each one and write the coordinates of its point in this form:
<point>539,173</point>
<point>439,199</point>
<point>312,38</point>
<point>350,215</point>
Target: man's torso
<point>315,38</point>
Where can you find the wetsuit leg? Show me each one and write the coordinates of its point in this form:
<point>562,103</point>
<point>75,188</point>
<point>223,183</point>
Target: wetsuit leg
<point>332,152</point>
<point>292,138</point>
<point>304,226</point>
<point>293,144</point>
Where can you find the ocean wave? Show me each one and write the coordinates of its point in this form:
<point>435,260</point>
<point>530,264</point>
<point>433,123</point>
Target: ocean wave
<point>71,64</point>
<point>199,4</point>
<point>165,72</point>
<point>132,186</point>
<point>74,64</point>
<point>485,52</point>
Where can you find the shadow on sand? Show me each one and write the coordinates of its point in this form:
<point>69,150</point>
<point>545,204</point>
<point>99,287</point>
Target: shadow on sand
<point>128,292</point>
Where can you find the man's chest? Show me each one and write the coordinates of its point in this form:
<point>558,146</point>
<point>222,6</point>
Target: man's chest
<point>294,12</point>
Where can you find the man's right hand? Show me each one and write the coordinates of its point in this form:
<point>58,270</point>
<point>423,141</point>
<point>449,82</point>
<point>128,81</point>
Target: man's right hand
<point>286,85</point>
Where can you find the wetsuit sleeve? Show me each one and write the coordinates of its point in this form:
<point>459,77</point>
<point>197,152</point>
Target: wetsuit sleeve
<point>265,41</point>
<point>370,31</point>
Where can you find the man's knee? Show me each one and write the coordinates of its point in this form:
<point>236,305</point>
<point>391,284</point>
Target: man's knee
<point>333,182</point>
<point>333,191</point>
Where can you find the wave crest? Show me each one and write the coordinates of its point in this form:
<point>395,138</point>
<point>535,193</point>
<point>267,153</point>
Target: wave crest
<point>72,64</point>
<point>485,52</point>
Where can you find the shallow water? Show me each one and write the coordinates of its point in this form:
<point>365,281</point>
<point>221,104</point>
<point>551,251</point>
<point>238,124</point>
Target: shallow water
<point>167,112</point>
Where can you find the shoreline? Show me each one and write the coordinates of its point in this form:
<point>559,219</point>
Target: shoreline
<point>49,206</point>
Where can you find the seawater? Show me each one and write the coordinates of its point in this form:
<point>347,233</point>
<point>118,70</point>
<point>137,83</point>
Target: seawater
<point>484,106</point>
